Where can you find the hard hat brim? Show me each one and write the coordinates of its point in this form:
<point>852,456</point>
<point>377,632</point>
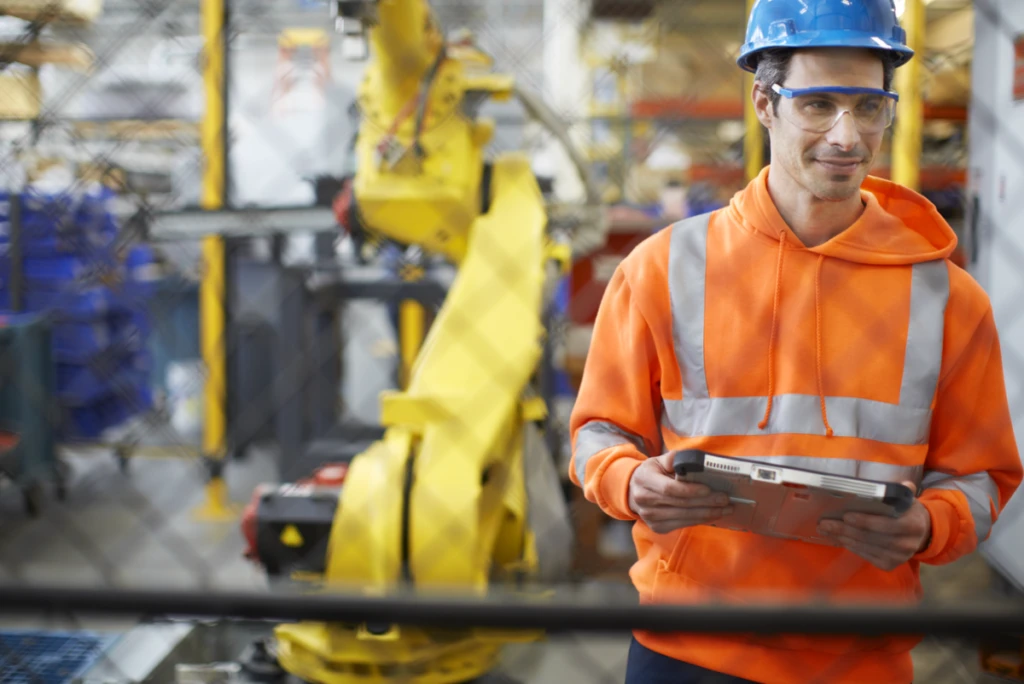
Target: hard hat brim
<point>900,53</point>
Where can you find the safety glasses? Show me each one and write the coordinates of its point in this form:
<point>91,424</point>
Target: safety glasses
<point>818,110</point>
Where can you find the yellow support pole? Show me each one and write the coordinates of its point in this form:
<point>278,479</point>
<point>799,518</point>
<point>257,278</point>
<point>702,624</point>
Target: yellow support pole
<point>906,141</point>
<point>753,141</point>
<point>212,288</point>
<point>411,319</point>
<point>411,325</point>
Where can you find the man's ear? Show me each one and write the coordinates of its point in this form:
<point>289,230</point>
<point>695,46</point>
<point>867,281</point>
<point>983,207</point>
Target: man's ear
<point>762,104</point>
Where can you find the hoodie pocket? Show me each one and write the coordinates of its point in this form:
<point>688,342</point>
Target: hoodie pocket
<point>715,566</point>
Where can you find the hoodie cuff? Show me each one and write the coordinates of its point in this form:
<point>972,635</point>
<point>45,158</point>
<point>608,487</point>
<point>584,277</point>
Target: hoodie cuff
<point>944,525</point>
<point>613,492</point>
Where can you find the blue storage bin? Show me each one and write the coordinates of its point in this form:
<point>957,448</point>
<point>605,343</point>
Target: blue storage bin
<point>141,361</point>
<point>94,209</point>
<point>58,270</point>
<point>43,215</point>
<point>77,341</point>
<point>88,304</point>
<point>130,395</point>
<point>143,272</point>
<point>130,329</point>
<point>129,301</point>
<point>85,299</point>
<point>133,393</point>
<point>142,401</point>
<point>64,222</point>
<point>70,241</point>
<point>39,203</point>
<point>79,384</point>
<point>92,420</point>
<point>124,378</point>
<point>91,305</point>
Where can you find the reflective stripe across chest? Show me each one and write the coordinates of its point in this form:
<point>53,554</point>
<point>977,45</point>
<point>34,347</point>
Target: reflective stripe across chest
<point>699,414</point>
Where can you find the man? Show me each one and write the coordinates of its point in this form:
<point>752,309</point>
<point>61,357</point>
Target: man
<point>815,322</point>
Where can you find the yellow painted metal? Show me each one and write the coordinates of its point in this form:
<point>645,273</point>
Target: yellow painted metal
<point>291,537</point>
<point>498,85</point>
<point>411,323</point>
<point>411,320</point>
<point>414,412</point>
<point>404,42</point>
<point>211,302</point>
<point>411,656</point>
<point>753,142</point>
<point>906,141</point>
<point>212,285</point>
<point>217,505</point>
<point>364,550</point>
<point>455,431</point>
<point>561,254</point>
<point>535,408</point>
<point>431,200</point>
<point>459,414</point>
<point>303,37</point>
<point>460,422</point>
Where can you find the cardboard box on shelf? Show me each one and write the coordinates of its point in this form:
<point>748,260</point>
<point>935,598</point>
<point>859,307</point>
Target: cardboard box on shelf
<point>65,11</point>
<point>23,95</point>
<point>682,68</point>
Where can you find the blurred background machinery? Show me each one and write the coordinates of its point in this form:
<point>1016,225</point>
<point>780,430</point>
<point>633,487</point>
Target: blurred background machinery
<point>220,260</point>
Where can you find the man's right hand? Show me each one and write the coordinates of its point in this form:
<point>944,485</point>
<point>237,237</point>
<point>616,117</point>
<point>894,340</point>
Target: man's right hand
<point>666,504</point>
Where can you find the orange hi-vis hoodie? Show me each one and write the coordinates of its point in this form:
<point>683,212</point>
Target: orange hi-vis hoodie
<point>871,355</point>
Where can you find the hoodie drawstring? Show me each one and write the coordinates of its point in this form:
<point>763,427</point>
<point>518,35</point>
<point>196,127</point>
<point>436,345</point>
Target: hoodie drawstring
<point>817,334</point>
<point>817,343</point>
<point>771,339</point>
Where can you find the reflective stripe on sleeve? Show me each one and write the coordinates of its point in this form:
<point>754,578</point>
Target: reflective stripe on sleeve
<point>979,488</point>
<point>596,436</point>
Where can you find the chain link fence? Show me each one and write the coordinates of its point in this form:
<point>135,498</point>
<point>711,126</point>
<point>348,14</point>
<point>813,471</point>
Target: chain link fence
<point>125,551</point>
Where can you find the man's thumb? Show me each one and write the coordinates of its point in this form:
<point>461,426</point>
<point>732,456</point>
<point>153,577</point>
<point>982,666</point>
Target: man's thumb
<point>667,462</point>
<point>911,485</point>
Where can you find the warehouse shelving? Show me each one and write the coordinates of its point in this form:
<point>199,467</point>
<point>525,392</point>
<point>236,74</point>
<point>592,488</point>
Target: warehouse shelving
<point>23,95</point>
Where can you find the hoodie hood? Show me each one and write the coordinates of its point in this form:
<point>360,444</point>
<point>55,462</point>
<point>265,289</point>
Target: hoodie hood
<point>898,226</point>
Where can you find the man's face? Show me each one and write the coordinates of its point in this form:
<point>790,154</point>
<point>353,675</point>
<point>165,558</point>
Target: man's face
<point>830,165</point>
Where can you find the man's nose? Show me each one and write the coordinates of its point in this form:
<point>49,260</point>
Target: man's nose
<point>844,134</point>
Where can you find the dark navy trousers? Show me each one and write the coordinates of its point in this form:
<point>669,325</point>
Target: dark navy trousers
<point>644,666</point>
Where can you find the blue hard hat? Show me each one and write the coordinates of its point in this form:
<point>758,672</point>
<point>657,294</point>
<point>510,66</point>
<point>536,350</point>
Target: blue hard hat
<point>824,23</point>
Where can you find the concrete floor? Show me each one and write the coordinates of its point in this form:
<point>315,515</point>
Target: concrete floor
<point>139,530</point>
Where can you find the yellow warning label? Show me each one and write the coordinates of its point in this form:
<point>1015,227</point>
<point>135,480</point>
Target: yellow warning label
<point>290,536</point>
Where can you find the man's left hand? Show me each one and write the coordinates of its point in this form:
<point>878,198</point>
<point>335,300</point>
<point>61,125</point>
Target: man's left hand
<point>884,542</point>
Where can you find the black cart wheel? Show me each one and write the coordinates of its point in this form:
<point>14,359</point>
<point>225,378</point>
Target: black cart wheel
<point>34,499</point>
<point>123,454</point>
<point>241,452</point>
<point>260,664</point>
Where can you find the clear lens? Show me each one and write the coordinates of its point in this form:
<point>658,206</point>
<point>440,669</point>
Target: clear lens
<point>820,112</point>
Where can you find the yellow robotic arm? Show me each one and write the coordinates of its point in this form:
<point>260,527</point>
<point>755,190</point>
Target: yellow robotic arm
<point>439,504</point>
<point>420,158</point>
